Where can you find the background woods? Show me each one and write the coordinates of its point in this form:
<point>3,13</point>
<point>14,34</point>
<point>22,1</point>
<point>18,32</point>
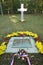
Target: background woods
<point>11,6</point>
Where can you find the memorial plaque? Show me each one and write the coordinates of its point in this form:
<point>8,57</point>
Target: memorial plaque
<point>26,43</point>
<point>23,42</point>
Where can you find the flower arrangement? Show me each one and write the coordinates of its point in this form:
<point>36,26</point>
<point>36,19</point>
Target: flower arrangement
<point>21,55</point>
<point>38,43</point>
<point>39,46</point>
<point>2,48</point>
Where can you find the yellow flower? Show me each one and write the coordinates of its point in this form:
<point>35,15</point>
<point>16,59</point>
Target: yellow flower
<point>15,34</point>
<point>36,43</point>
<point>1,52</point>
<point>9,35</point>
<point>3,43</point>
<point>28,33</point>
<point>35,36</point>
<point>32,34</point>
<point>2,49</point>
<point>42,49</point>
<point>39,46</point>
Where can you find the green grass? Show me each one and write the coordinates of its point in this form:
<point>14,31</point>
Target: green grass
<point>36,59</point>
<point>9,24</point>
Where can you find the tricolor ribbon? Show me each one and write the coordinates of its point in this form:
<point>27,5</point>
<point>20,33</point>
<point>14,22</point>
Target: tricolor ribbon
<point>12,62</point>
<point>25,55</point>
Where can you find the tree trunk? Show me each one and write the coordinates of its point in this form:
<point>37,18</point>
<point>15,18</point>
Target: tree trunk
<point>1,7</point>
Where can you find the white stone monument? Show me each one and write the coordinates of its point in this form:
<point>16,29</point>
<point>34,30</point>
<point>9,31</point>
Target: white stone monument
<point>22,9</point>
<point>17,43</point>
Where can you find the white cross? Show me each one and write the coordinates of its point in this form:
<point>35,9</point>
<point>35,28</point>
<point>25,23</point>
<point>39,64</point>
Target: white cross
<point>22,9</point>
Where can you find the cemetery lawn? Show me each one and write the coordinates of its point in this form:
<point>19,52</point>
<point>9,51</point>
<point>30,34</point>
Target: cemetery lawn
<point>12,23</point>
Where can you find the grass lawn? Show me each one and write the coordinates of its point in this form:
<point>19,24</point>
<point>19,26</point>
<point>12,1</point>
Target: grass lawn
<point>12,23</point>
<point>9,24</point>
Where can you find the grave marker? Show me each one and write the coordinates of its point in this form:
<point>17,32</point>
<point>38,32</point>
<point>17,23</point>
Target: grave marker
<point>22,9</point>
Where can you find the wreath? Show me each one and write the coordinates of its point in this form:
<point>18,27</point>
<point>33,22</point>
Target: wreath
<point>38,42</point>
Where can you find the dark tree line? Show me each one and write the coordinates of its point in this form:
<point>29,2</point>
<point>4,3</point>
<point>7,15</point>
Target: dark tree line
<point>11,6</point>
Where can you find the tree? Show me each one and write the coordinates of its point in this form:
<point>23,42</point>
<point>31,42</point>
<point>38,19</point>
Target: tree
<point>1,7</point>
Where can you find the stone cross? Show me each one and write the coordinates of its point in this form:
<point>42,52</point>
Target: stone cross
<point>22,9</point>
